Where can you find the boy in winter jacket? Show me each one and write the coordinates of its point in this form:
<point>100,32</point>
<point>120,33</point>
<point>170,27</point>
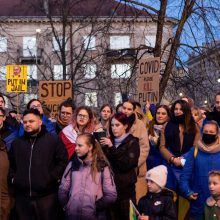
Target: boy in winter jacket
<point>158,203</point>
<point>212,207</point>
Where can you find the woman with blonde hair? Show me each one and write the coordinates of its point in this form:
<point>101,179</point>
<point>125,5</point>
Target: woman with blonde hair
<point>87,188</point>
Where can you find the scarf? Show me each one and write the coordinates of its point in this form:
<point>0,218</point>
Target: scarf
<point>118,141</point>
<point>209,149</point>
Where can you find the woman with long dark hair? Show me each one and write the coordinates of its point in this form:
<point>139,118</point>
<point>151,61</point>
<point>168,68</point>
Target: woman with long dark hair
<point>179,136</point>
<point>122,150</point>
<point>156,126</point>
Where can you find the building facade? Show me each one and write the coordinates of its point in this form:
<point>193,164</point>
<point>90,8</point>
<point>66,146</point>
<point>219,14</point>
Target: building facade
<point>96,44</point>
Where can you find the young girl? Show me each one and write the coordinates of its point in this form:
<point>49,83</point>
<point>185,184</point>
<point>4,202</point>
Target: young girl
<point>212,207</point>
<point>87,187</point>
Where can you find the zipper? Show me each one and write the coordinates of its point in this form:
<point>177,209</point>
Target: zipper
<point>30,162</point>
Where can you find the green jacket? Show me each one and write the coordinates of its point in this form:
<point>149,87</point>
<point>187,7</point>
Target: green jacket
<point>212,209</point>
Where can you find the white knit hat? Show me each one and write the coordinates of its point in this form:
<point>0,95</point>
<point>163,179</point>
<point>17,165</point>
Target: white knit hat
<point>158,175</point>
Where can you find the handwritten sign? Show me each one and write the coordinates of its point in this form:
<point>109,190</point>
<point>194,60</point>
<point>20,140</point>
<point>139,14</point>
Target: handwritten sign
<point>52,93</point>
<point>148,80</point>
<point>16,78</point>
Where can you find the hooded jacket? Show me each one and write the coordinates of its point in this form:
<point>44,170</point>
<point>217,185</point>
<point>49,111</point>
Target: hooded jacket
<point>81,196</point>
<point>37,164</point>
<point>194,176</point>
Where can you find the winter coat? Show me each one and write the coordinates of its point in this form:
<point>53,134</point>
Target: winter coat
<point>194,177</point>
<point>4,191</point>
<point>139,130</point>
<point>8,135</point>
<point>82,197</point>
<point>212,209</point>
<point>124,161</point>
<point>37,163</point>
<point>158,206</point>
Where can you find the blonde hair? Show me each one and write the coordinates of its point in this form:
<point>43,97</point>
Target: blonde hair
<point>98,157</point>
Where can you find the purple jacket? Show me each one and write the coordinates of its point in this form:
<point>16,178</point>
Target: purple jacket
<point>81,197</point>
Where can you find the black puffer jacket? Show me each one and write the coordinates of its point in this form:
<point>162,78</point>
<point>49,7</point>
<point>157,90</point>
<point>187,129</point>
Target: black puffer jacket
<point>37,164</point>
<point>124,161</point>
<point>158,206</point>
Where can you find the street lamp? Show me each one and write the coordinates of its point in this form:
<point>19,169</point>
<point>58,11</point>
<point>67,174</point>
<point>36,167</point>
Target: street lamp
<point>205,102</point>
<point>180,94</point>
<point>218,80</point>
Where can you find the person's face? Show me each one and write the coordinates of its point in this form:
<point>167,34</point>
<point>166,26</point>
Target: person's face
<point>2,103</point>
<point>153,187</point>
<point>66,114</point>
<point>32,123</point>
<point>161,115</point>
<point>210,129</point>
<point>16,70</point>
<point>214,185</point>
<point>118,129</point>
<point>2,118</point>
<point>82,118</point>
<point>127,108</point>
<point>178,110</point>
<point>37,105</point>
<point>217,103</point>
<point>195,115</point>
<point>106,113</point>
<point>82,147</point>
<point>203,113</point>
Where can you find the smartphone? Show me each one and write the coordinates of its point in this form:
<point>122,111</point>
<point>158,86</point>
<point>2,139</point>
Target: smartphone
<point>99,135</point>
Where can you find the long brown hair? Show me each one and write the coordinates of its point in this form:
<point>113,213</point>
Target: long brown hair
<point>189,124</point>
<point>98,157</point>
<point>154,121</point>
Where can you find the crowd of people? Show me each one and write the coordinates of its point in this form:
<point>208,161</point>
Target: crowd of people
<point>89,165</point>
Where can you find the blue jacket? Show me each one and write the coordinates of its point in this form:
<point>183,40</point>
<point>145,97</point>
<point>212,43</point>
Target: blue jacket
<point>46,122</point>
<point>194,178</point>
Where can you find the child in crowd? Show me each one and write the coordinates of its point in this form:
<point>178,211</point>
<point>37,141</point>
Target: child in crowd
<point>158,203</point>
<point>212,207</point>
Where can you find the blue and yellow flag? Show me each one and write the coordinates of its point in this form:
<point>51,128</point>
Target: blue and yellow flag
<point>133,212</point>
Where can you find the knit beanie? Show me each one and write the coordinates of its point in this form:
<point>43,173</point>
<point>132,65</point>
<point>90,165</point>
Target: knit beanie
<point>158,175</point>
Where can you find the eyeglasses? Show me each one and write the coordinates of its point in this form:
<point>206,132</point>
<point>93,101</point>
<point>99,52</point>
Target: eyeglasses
<point>83,116</point>
<point>66,113</point>
<point>2,116</point>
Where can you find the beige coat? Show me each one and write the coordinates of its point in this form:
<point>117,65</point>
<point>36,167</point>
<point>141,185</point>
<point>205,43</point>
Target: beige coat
<point>139,130</point>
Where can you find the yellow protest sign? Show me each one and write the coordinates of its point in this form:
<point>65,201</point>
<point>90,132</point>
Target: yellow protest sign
<point>16,78</point>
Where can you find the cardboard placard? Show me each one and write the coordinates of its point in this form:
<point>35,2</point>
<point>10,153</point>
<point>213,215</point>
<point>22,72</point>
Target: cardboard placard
<point>148,80</point>
<point>52,93</point>
<point>16,78</point>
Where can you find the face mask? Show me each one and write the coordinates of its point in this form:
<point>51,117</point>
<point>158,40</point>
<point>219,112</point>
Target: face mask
<point>180,119</point>
<point>208,138</point>
<point>83,157</point>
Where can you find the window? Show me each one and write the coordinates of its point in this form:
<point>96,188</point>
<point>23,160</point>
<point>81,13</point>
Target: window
<point>118,98</point>
<point>120,71</point>
<point>119,42</point>
<point>2,72</point>
<point>28,97</point>
<point>29,46</point>
<point>150,40</point>
<point>90,71</point>
<point>56,45</point>
<point>32,71</point>
<point>89,42</point>
<point>58,72</point>
<point>91,99</point>
<point>3,44</point>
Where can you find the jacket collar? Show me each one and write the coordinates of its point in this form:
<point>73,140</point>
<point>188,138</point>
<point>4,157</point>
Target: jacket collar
<point>211,202</point>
